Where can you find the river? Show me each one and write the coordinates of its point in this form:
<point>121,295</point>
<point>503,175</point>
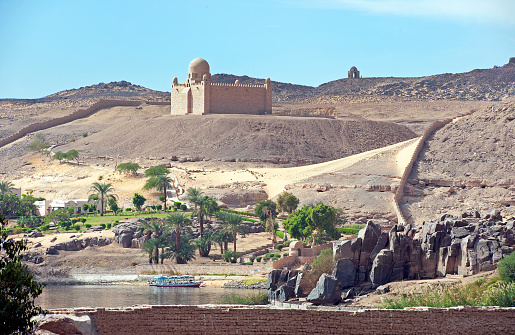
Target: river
<point>67,296</point>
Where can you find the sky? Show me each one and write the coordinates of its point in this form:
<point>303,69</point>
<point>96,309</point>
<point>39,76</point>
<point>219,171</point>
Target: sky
<point>48,46</point>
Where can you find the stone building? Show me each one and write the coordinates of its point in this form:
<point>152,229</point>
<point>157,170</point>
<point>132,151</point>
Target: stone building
<point>199,95</point>
<point>353,72</point>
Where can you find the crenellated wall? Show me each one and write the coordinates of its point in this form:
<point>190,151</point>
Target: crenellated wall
<point>267,320</point>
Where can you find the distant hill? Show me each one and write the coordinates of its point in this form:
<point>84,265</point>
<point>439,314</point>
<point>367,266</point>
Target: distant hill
<point>493,84</point>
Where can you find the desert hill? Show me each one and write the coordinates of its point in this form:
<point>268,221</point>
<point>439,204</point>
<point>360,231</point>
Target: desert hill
<point>466,164</point>
<point>493,84</point>
<point>243,138</point>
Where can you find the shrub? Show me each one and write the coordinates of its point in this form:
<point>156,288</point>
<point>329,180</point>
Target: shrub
<point>177,204</point>
<point>45,227</point>
<point>128,209</point>
<point>280,233</point>
<point>260,298</point>
<point>258,259</point>
<point>231,256</point>
<point>285,254</point>
<point>103,225</point>
<point>108,226</point>
<point>87,225</point>
<point>184,208</point>
<point>76,227</point>
<point>83,220</point>
<point>346,230</point>
<point>507,268</point>
<point>215,257</point>
<point>252,259</point>
<point>246,263</point>
<point>279,246</point>
<point>17,230</point>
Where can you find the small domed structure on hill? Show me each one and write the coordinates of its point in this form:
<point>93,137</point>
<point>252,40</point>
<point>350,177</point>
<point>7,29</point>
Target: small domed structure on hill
<point>353,73</point>
<point>199,95</point>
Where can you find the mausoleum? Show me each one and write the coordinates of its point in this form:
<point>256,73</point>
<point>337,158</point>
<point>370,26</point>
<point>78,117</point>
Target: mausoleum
<point>199,95</point>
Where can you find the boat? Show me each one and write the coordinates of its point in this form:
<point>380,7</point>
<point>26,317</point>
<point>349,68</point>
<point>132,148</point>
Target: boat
<point>174,281</point>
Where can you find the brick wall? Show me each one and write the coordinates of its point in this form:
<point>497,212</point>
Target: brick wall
<point>237,99</point>
<point>266,320</point>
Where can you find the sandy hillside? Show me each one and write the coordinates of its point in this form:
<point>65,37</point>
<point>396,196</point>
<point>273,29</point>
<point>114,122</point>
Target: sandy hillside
<point>467,164</point>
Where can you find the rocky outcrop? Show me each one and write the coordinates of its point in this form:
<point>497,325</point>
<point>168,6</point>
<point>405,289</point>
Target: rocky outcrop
<point>78,244</point>
<point>462,245</point>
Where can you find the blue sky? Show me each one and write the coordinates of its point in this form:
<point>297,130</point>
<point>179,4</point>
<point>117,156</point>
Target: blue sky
<point>49,46</point>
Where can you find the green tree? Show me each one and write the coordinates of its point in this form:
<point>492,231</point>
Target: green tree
<point>60,215</point>
<point>287,202</point>
<point>267,212</point>
<point>138,201</point>
<point>9,204</point>
<point>322,220</point>
<point>232,224</point>
<point>29,221</point>
<point>128,167</point>
<point>39,144</point>
<point>85,207</point>
<point>178,221</point>
<point>298,221</point>
<point>160,183</point>
<point>72,155</point>
<point>102,191</point>
<point>113,205</point>
<point>18,288</point>
<point>155,171</point>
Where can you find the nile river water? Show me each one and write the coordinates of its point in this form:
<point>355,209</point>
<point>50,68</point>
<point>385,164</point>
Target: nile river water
<point>66,296</point>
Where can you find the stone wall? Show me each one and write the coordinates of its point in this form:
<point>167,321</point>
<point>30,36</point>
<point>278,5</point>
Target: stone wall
<point>266,320</point>
<point>81,113</point>
<point>400,190</point>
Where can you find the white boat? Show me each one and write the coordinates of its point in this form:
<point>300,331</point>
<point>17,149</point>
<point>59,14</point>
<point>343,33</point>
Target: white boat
<point>174,281</point>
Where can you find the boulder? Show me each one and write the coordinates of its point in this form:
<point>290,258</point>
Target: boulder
<point>52,250</point>
<point>35,233</point>
<point>125,240</point>
<point>381,268</point>
<point>283,293</point>
<point>348,249</point>
<point>65,324</point>
<point>345,272</point>
<point>326,291</point>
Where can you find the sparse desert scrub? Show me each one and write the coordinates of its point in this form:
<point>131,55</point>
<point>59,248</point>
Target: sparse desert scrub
<point>493,292</point>
<point>260,298</point>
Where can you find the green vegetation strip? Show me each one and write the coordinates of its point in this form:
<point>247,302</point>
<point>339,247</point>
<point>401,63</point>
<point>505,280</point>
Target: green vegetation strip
<point>260,298</point>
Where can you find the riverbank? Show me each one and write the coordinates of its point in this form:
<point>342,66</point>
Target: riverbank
<point>133,276</point>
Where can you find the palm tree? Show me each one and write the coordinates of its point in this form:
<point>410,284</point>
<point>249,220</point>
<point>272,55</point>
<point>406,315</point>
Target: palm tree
<point>204,243</point>
<point>159,230</point>
<point>197,198</point>
<point>5,187</point>
<point>177,221</point>
<point>160,183</point>
<point>232,224</point>
<point>102,190</point>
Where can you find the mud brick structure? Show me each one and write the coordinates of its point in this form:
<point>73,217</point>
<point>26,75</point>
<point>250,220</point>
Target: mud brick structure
<point>199,95</point>
<point>353,73</point>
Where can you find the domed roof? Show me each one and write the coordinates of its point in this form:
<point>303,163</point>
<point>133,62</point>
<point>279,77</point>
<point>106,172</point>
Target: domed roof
<point>199,65</point>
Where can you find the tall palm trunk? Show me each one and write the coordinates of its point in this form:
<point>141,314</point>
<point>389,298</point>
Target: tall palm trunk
<point>234,237</point>
<point>156,255</point>
<point>201,221</point>
<point>164,202</point>
<point>178,245</point>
